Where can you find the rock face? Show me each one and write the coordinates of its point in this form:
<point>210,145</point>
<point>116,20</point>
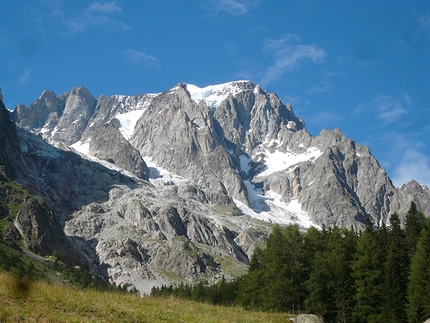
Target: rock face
<point>180,135</point>
<point>107,143</point>
<point>220,164</point>
<point>40,230</point>
<point>8,143</point>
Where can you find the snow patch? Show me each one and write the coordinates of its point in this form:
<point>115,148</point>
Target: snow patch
<point>83,148</point>
<point>268,207</point>
<point>213,95</point>
<point>128,121</point>
<point>278,161</point>
<point>160,176</point>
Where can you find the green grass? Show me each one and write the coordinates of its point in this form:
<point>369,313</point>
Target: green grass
<point>24,301</point>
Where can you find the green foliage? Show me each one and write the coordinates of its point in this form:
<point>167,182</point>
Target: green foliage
<point>221,293</point>
<point>413,226</point>
<point>368,275</point>
<point>418,309</point>
<point>395,273</point>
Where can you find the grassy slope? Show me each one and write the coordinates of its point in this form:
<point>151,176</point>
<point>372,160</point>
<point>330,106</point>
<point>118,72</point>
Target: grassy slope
<point>23,301</point>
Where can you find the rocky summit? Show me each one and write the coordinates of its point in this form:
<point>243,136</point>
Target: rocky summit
<point>182,185</point>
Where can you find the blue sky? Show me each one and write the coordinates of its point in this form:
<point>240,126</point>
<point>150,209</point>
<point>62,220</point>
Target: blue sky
<point>361,66</point>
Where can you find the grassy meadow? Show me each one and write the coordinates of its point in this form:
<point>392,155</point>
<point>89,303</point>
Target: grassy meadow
<point>36,301</point>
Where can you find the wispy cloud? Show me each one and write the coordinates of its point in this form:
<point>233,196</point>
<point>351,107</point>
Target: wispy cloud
<point>26,77</point>
<point>139,58</point>
<point>419,31</point>
<point>230,7</point>
<point>287,54</point>
<point>97,14</point>
<point>424,20</point>
<point>413,165</point>
<point>386,107</point>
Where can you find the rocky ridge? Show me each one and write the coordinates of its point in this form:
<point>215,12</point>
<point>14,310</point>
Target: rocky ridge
<point>216,161</point>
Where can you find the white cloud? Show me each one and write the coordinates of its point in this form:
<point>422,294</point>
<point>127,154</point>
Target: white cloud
<point>26,77</point>
<point>99,14</point>
<point>137,58</point>
<point>386,107</point>
<point>413,165</point>
<point>231,7</point>
<point>287,55</point>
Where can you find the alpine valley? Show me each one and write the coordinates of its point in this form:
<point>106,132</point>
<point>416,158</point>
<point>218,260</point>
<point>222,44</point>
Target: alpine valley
<point>182,185</point>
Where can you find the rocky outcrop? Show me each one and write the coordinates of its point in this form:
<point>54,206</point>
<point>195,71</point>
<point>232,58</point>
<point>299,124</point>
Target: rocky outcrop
<point>44,113</point>
<point>40,230</point>
<point>150,235</point>
<point>180,135</point>
<point>78,109</point>
<point>110,107</point>
<point>9,146</point>
<point>108,144</point>
<point>253,116</point>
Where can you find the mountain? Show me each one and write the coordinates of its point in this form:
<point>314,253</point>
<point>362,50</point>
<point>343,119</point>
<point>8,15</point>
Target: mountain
<point>182,185</point>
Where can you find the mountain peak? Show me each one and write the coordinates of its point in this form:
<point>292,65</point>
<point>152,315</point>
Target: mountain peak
<point>214,94</point>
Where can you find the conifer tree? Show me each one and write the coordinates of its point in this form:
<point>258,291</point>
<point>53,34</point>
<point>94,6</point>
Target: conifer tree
<point>320,299</point>
<point>413,226</point>
<point>297,269</point>
<point>418,308</point>
<point>343,247</point>
<point>367,272</point>
<point>250,286</point>
<point>330,284</point>
<point>395,273</point>
<point>275,274</point>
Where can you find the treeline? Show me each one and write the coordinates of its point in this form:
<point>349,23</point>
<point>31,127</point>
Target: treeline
<point>221,293</point>
<point>379,275</point>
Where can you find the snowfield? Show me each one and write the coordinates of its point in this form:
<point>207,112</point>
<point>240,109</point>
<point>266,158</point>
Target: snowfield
<point>213,95</point>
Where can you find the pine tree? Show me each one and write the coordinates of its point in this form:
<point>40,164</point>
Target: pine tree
<point>330,284</point>
<point>418,308</point>
<point>275,274</point>
<point>395,273</point>
<point>320,299</point>
<point>297,269</point>
<point>343,245</point>
<point>367,272</point>
<point>413,227</point>
<point>250,286</point>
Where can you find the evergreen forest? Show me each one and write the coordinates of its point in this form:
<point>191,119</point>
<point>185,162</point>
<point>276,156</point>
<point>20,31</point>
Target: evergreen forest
<point>381,274</point>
